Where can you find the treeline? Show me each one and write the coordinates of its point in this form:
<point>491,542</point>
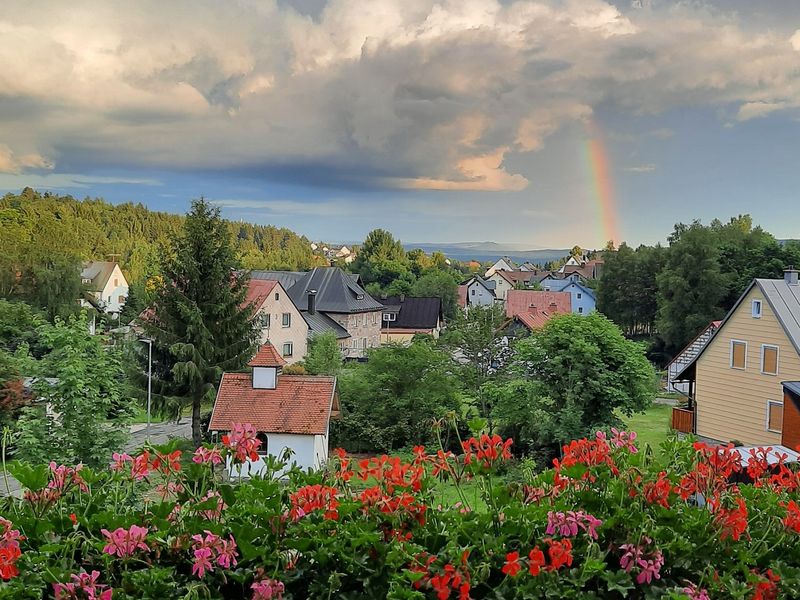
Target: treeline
<point>44,237</point>
<point>668,294</point>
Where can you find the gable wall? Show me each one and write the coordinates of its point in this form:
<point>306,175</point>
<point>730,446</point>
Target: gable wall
<point>732,403</point>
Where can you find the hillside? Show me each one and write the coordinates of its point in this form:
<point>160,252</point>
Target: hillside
<point>35,227</point>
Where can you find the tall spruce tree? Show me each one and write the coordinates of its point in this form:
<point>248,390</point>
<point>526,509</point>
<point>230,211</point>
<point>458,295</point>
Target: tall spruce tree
<point>199,326</point>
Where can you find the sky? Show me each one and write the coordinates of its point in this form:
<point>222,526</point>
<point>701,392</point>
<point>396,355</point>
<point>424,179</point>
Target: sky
<point>541,123</point>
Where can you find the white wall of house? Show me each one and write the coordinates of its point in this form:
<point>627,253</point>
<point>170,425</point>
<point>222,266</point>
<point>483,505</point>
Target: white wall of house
<point>477,294</point>
<point>500,265</point>
<point>309,452</point>
<point>501,286</point>
<point>275,331</point>
<point>115,292</point>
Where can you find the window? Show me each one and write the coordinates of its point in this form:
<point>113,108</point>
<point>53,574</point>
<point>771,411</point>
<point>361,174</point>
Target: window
<point>120,299</point>
<point>580,295</point>
<point>263,448</point>
<point>774,416</point>
<point>769,359</point>
<point>266,319</point>
<point>364,342</point>
<point>580,310</point>
<point>472,292</point>
<point>389,317</point>
<point>277,296</point>
<point>288,347</point>
<point>109,298</point>
<point>547,288</point>
<point>756,309</point>
<point>116,282</point>
<point>738,354</point>
<point>286,320</point>
<point>86,280</point>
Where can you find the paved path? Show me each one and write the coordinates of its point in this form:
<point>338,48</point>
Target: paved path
<point>160,433</point>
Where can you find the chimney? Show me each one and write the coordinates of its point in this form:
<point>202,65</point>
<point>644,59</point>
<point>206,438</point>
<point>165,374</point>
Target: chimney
<point>312,302</point>
<point>553,307</point>
<point>790,276</point>
<point>402,297</point>
<point>532,309</point>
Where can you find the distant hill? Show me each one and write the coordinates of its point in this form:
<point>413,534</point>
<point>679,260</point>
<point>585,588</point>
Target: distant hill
<point>34,227</point>
<point>491,251</point>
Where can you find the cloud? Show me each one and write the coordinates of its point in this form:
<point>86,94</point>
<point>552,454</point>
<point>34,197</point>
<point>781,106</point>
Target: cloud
<point>15,180</point>
<point>12,163</point>
<point>647,168</point>
<point>432,94</point>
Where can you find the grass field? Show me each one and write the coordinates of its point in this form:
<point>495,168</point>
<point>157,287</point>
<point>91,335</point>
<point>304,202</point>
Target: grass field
<point>651,426</point>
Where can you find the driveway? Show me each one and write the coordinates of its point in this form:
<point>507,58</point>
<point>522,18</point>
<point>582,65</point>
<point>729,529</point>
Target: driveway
<point>160,433</point>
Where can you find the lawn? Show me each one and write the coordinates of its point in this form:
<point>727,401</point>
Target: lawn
<point>651,426</point>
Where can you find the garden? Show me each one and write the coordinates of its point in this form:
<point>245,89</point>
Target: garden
<point>610,519</point>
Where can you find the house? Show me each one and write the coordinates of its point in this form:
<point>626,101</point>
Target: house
<point>537,306</point>
<point>590,269</point>
<point>280,322</point>
<point>289,412</point>
<point>477,291</point>
<point>404,317</point>
<point>331,300</point>
<point>106,286</point>
<point>735,382</point>
<point>502,264</point>
<point>583,299</point>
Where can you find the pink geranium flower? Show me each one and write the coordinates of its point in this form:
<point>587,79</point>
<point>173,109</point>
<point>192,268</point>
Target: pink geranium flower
<point>125,542</point>
<point>84,583</point>
<point>204,456</point>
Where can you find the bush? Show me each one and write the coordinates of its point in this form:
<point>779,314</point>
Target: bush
<point>607,521</point>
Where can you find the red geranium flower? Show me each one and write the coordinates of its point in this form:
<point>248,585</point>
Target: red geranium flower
<point>560,553</point>
<point>512,566</point>
<point>536,561</point>
<point>9,556</point>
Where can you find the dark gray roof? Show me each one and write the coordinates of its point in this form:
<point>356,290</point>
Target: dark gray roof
<point>413,313</point>
<point>337,292</point>
<point>320,323</point>
<point>286,278</point>
<point>793,386</point>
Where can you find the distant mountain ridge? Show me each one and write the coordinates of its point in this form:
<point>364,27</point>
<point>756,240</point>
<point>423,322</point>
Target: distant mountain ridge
<point>486,251</point>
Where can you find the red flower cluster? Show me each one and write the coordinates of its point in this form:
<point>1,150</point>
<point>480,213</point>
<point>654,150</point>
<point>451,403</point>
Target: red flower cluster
<point>486,450</point>
<point>311,498</point>
<point>9,549</point>
<point>167,463</point>
<point>404,503</point>
<point>392,473</point>
<point>590,453</point>
<point>733,522</point>
<point>559,552</point>
<point>345,472</point>
<point>658,491</point>
<point>446,581</point>
<point>792,518</point>
<point>767,589</point>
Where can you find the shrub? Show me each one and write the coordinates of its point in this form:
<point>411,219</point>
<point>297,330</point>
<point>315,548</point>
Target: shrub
<point>607,521</point>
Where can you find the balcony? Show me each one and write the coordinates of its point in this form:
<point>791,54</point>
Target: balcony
<point>683,419</point>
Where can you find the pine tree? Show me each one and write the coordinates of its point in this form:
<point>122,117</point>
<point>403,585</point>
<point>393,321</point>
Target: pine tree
<point>199,327</point>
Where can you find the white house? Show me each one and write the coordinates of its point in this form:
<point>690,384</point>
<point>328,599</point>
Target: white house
<point>106,286</point>
<point>503,264</point>
<point>477,290</point>
<point>288,411</point>
<point>280,322</point>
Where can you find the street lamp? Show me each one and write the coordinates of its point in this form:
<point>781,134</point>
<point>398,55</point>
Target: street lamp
<point>149,343</point>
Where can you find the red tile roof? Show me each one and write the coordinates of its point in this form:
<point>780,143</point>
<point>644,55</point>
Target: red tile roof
<point>267,356</point>
<point>521,301</point>
<point>534,321</point>
<point>515,277</point>
<point>300,404</point>
<point>258,290</point>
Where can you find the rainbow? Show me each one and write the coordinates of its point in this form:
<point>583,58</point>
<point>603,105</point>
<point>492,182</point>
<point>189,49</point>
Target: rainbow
<point>597,159</point>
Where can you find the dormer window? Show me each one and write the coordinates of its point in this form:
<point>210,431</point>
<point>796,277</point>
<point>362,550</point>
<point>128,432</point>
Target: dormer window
<point>756,309</point>
<point>389,317</point>
<point>359,296</point>
<point>265,378</point>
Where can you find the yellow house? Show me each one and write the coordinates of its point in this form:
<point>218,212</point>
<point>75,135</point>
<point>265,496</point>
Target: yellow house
<point>735,382</point>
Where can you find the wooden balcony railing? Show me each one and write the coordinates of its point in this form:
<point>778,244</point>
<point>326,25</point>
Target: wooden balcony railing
<point>682,419</point>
